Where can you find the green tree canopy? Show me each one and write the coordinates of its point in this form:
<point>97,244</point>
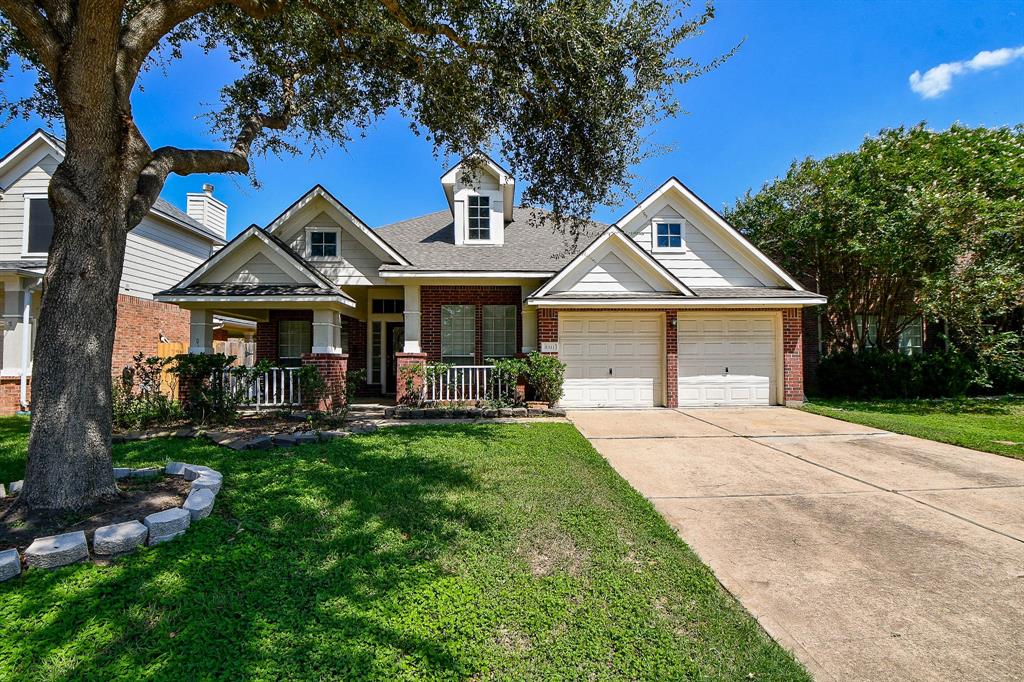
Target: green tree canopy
<point>913,218</point>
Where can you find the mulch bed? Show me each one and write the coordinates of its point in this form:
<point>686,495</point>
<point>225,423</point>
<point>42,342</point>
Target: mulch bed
<point>139,498</point>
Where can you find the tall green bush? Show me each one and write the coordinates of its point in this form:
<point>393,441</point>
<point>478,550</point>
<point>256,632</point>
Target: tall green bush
<point>545,376</point>
<point>887,375</point>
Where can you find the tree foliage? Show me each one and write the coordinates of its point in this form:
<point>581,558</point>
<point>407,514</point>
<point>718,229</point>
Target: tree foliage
<point>914,217</point>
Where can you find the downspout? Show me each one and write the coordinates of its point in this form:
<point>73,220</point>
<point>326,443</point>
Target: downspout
<point>26,341</point>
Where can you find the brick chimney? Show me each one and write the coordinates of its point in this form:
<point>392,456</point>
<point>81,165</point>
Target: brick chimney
<point>208,211</point>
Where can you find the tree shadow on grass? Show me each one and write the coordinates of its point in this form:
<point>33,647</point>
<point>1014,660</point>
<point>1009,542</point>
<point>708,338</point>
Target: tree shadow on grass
<point>319,561</point>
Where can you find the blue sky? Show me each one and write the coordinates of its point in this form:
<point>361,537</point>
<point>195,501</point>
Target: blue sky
<point>811,79</point>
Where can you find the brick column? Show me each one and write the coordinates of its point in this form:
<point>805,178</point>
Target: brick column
<point>792,356</point>
<point>333,368</point>
<point>671,360</point>
<point>405,360</point>
<point>547,327</point>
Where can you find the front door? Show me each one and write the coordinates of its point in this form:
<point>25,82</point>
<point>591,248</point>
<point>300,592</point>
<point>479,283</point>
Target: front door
<point>395,334</point>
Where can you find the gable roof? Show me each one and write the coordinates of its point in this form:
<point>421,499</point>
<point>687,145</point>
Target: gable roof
<point>619,240</point>
<point>319,191</point>
<point>315,277</point>
<point>534,246</point>
<point>161,207</point>
<point>506,181</point>
<point>739,241</point>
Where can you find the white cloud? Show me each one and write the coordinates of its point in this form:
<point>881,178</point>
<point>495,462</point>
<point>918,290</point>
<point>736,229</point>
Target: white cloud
<point>939,79</point>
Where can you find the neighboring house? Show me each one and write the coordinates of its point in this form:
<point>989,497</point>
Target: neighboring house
<point>163,248</point>
<point>669,306</point>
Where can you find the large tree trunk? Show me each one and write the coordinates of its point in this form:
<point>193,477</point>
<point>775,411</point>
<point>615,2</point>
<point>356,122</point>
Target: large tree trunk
<point>69,461</point>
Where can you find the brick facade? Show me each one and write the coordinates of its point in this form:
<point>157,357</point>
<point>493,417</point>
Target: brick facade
<point>333,368</point>
<point>140,323</point>
<point>792,347</point>
<point>266,336</point>
<point>404,360</point>
<point>433,297</point>
<point>792,354</point>
<point>811,349</point>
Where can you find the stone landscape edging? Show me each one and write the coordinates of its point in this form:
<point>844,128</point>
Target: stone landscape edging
<point>62,549</point>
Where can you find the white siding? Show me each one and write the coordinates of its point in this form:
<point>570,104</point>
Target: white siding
<point>355,264</point>
<point>703,263</point>
<point>610,274</point>
<point>158,256</point>
<point>259,270</point>
<point>12,206</point>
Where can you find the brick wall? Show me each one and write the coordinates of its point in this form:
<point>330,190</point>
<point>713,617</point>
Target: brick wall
<point>433,297</point>
<point>10,394</point>
<point>404,360</point>
<point>812,354</point>
<point>792,354</point>
<point>671,360</point>
<point>547,327</point>
<point>140,322</point>
<point>266,332</point>
<point>333,368</point>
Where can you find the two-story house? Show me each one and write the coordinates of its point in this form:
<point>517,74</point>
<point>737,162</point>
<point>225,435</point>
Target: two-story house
<point>163,248</point>
<point>668,306</point>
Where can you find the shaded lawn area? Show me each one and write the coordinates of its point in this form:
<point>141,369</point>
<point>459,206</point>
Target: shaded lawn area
<point>485,551</point>
<point>977,423</point>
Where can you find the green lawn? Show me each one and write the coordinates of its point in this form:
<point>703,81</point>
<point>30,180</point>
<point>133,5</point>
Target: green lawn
<point>482,552</point>
<point>977,423</point>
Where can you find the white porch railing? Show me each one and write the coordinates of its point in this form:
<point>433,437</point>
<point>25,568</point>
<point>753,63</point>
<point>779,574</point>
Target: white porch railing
<point>277,387</point>
<point>461,383</point>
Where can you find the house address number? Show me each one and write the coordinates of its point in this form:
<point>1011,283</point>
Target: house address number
<point>549,347</point>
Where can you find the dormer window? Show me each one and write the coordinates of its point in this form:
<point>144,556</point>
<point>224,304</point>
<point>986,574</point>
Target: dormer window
<point>668,236</point>
<point>38,226</point>
<point>323,244</point>
<point>479,226</point>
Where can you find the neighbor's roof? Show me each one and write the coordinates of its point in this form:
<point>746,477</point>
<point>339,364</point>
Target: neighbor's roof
<point>532,244</point>
<point>251,290</point>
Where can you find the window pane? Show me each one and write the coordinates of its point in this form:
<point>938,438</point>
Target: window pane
<point>294,337</point>
<point>670,235</point>
<point>40,226</point>
<point>479,225</point>
<point>374,354</point>
<point>323,244</point>
<point>499,331</point>
<point>912,337</point>
<point>458,333</point>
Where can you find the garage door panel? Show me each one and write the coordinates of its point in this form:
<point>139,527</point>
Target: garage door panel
<point>726,360</point>
<point>630,345</point>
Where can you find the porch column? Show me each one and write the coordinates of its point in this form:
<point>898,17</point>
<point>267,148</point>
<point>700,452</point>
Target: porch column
<point>201,332</point>
<point>528,322</point>
<point>412,319</point>
<point>326,333</point>
<point>13,304</point>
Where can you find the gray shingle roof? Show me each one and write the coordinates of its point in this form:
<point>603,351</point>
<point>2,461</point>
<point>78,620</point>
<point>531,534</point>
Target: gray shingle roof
<point>748,292</point>
<point>22,264</point>
<point>164,206</point>
<point>251,290</point>
<point>532,243</point>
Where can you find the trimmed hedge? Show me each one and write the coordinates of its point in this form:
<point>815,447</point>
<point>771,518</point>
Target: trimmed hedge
<point>876,374</point>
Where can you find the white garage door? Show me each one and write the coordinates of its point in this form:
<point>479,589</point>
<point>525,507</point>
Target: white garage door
<point>726,359</point>
<point>611,361</point>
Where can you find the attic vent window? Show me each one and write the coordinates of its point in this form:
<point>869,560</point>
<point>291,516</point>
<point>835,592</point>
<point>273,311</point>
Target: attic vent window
<point>669,236</point>
<point>323,244</point>
<point>479,218</point>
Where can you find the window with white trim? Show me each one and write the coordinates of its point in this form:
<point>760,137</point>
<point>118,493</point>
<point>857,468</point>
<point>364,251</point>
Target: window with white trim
<point>38,225</point>
<point>458,334</point>
<point>911,340</point>
<point>479,225</point>
<point>294,338</point>
<point>323,244</point>
<point>500,331</point>
<point>668,236</point>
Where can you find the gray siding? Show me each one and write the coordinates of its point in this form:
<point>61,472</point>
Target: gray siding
<point>12,206</point>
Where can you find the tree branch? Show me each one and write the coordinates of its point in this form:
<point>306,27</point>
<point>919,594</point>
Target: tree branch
<point>394,9</point>
<point>143,32</point>
<point>38,30</point>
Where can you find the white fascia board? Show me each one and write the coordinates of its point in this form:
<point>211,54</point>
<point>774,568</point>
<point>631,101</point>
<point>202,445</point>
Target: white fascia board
<point>624,239</point>
<point>446,274</point>
<point>175,298</point>
<point>320,191</point>
<point>676,303</point>
<point>39,137</point>
<point>751,250</point>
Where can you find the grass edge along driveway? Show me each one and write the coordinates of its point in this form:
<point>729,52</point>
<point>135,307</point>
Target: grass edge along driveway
<point>427,552</point>
<point>993,425</point>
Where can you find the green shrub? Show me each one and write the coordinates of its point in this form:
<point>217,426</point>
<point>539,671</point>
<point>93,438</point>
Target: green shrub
<point>424,376</point>
<point>137,399</point>
<point>211,387</point>
<point>505,380</point>
<point>888,375</point>
<point>545,376</point>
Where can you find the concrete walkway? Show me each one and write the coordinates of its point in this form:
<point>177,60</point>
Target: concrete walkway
<point>870,555</point>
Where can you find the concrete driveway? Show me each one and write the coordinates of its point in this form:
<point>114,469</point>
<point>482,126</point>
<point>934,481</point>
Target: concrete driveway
<point>868,554</point>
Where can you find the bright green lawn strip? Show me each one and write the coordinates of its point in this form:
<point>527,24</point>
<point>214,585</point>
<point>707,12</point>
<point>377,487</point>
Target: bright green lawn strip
<point>496,551</point>
<point>976,423</point>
